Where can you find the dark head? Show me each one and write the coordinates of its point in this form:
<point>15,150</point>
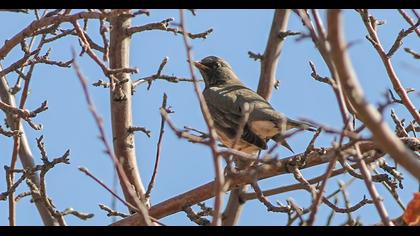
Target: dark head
<point>215,71</point>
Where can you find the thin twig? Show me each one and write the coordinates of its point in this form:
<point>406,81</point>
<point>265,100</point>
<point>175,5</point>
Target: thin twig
<point>87,172</point>
<point>86,46</point>
<point>10,133</point>
<point>80,215</point>
<point>22,195</point>
<point>346,199</point>
<point>196,217</point>
<point>266,202</point>
<point>319,197</point>
<point>169,78</point>
<point>103,30</point>
<point>416,55</point>
<point>158,149</point>
<point>182,133</point>
<point>164,25</point>
<point>297,209</point>
<point>47,165</point>
<point>371,187</point>
<point>332,214</point>
<point>144,130</point>
<point>111,212</point>
<point>398,41</point>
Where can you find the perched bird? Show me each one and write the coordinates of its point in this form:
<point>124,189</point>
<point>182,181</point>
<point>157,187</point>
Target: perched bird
<point>226,97</point>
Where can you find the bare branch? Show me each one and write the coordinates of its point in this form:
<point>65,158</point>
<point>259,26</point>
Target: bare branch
<point>398,41</point>
<point>255,56</point>
<point>196,217</point>
<point>164,25</point>
<point>181,133</point>
<point>264,200</point>
<point>111,212</point>
<point>316,76</point>
<point>272,53</point>
<point>319,196</point>
<point>10,133</point>
<point>158,148</point>
<point>86,171</point>
<point>80,215</point>
<point>141,129</point>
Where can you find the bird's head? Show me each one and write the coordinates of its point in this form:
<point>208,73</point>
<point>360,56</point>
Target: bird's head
<point>215,71</point>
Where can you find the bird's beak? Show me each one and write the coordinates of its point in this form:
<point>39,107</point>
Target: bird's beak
<point>200,66</point>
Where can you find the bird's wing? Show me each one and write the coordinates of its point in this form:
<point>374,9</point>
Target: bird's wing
<point>265,112</point>
<point>263,119</point>
<point>300,124</point>
<point>227,114</point>
<point>262,110</point>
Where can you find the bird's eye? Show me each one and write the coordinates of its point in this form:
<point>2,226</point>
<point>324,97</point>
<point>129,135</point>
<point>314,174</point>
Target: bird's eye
<point>217,65</point>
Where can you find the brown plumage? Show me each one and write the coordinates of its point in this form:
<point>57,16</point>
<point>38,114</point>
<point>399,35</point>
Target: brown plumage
<point>226,95</point>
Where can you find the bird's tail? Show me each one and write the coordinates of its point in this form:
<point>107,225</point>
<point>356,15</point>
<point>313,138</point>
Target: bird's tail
<point>279,139</point>
<point>300,124</point>
<point>293,124</point>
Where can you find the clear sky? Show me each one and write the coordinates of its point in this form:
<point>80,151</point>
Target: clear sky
<point>69,125</point>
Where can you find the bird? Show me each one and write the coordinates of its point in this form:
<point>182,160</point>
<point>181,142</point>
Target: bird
<point>227,98</point>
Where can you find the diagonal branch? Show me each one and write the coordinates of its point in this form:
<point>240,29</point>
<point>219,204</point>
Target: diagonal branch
<point>382,134</point>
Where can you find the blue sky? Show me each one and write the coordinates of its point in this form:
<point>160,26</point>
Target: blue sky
<point>69,125</point>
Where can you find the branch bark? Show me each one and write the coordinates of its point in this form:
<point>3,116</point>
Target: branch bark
<point>121,106</point>
<point>272,52</point>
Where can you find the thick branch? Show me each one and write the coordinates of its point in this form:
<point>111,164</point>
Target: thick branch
<point>121,108</point>
<point>206,191</point>
<point>272,53</point>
